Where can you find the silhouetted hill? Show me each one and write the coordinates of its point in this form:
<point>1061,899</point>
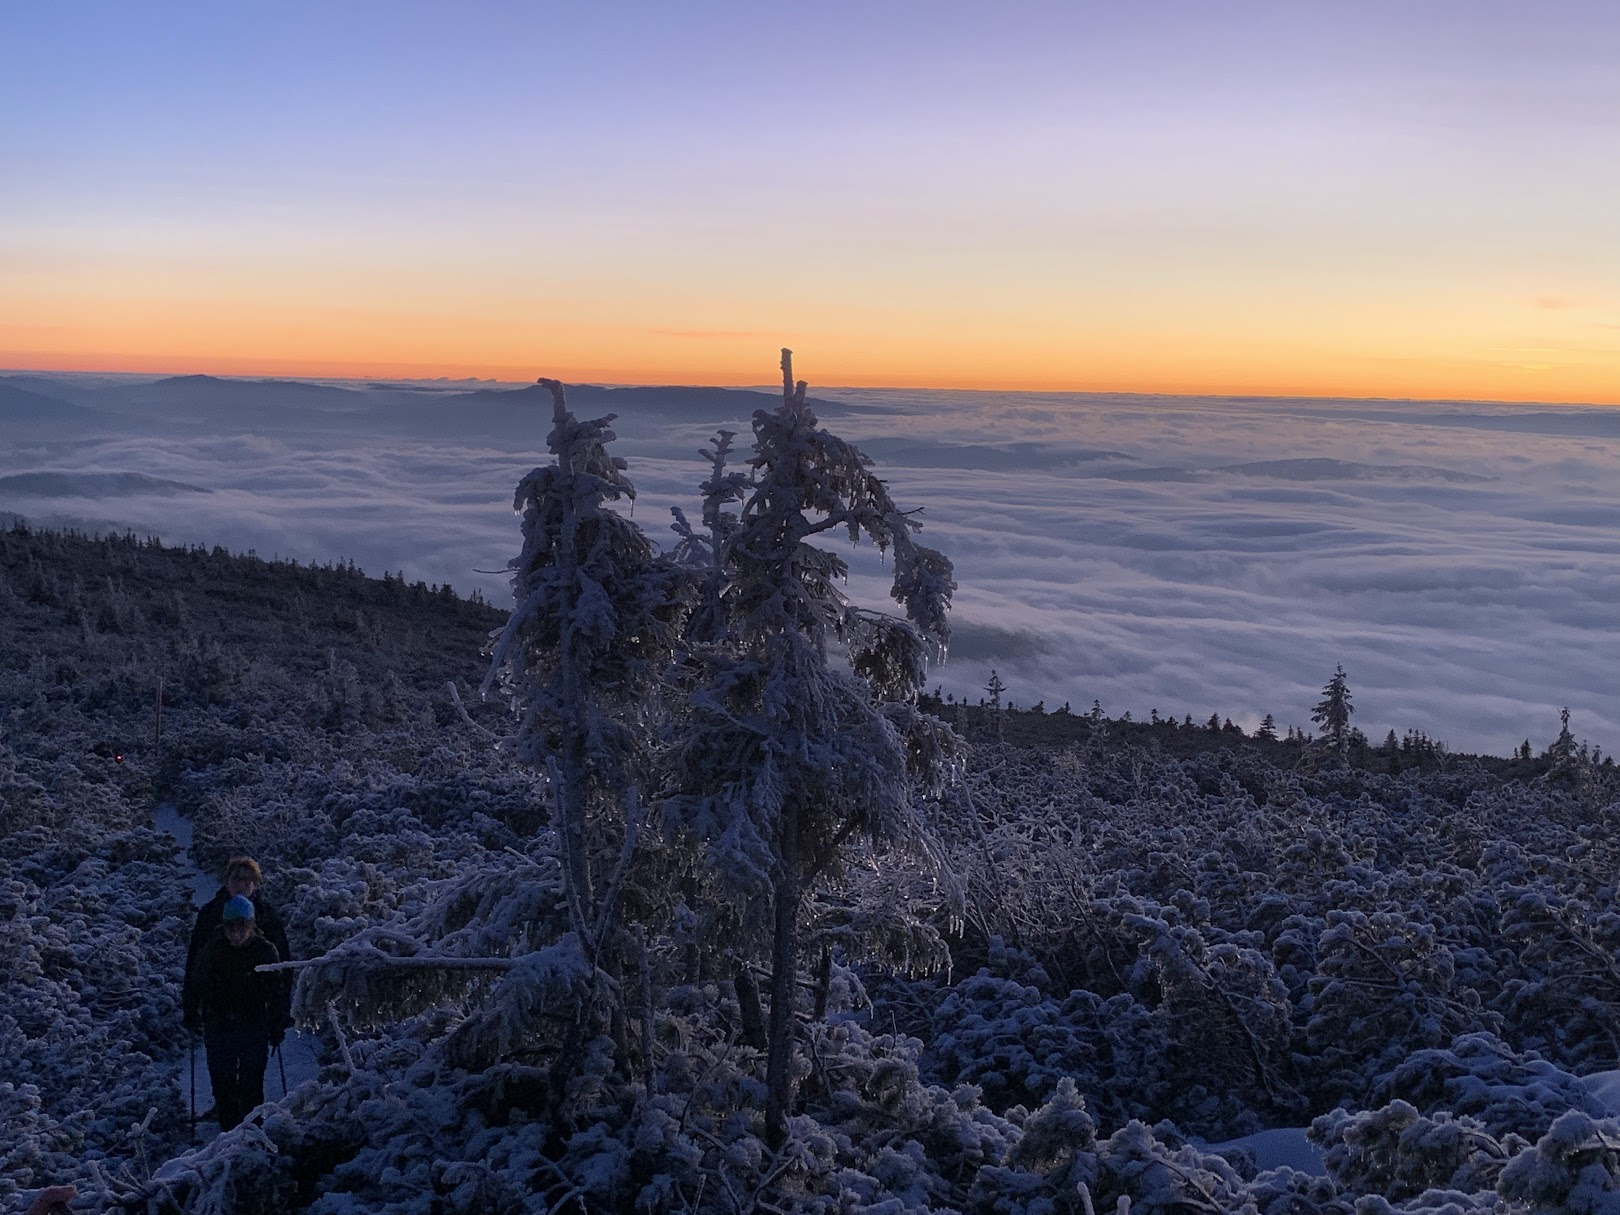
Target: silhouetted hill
<point>695,402</point>
<point>675,401</point>
<point>521,417</point>
<point>39,385</point>
<point>201,396</point>
<point>26,414</point>
<point>295,410</point>
<point>92,485</point>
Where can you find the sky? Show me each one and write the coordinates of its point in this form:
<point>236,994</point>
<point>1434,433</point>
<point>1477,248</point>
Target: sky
<point>1376,199</point>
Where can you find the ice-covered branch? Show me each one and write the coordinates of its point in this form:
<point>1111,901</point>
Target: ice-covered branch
<point>378,958</point>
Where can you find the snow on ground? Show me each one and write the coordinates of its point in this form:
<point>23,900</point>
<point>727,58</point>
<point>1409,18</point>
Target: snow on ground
<point>1276,1148</point>
<point>297,1056</point>
<point>1605,1086</point>
<point>1288,1145</point>
<point>167,818</point>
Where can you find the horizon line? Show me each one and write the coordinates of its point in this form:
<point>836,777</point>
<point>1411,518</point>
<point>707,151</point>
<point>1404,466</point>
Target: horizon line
<point>1216,394</point>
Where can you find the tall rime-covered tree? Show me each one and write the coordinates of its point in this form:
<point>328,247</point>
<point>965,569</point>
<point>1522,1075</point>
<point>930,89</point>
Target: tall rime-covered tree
<point>583,656</point>
<point>704,550</point>
<point>584,659</point>
<point>1333,711</point>
<point>788,759</point>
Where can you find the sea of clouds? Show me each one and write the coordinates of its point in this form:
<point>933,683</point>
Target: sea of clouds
<point>1185,555</point>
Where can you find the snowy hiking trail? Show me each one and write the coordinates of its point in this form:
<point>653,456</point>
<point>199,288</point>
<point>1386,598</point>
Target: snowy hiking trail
<point>297,1052</point>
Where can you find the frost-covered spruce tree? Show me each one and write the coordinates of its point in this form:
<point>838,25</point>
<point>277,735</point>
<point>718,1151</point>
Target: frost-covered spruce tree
<point>788,760</point>
<point>583,657</point>
<point>704,551</point>
<point>1333,712</point>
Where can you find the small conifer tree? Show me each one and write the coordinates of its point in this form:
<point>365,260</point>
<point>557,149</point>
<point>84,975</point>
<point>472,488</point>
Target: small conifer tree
<point>1332,713</point>
<point>996,687</point>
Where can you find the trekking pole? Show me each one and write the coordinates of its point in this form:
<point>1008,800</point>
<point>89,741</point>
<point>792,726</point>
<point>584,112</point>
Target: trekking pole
<point>282,1064</point>
<point>191,1049</point>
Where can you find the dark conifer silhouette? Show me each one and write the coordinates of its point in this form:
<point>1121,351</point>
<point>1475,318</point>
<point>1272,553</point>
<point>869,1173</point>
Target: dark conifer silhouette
<point>1333,712</point>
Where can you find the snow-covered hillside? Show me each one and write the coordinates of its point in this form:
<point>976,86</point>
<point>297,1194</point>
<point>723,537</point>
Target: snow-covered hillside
<point>1047,986</point>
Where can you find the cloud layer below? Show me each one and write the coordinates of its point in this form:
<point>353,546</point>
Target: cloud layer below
<point>1190,555</point>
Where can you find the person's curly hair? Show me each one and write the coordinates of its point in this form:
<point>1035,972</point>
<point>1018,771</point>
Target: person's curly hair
<point>244,866</point>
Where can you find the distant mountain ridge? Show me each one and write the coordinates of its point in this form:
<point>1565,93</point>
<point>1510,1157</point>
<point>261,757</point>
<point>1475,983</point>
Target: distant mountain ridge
<point>92,485</point>
<point>297,409</point>
<point>14,400</point>
<point>523,415</point>
<point>27,414</point>
<point>677,399</point>
<point>184,393</point>
<point>204,389</point>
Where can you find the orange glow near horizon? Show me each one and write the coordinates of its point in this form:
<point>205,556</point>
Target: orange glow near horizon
<point>606,324</point>
<point>835,364</point>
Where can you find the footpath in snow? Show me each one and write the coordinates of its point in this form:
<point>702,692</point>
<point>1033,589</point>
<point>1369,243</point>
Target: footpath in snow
<point>1274,1149</point>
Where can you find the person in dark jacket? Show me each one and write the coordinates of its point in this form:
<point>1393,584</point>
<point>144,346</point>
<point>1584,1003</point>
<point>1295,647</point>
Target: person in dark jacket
<point>241,1011</point>
<point>242,877</point>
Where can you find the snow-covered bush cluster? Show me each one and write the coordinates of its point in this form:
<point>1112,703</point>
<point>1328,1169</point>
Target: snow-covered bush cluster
<point>749,930</point>
<point>130,675</point>
<point>92,939</point>
<point>1262,942</point>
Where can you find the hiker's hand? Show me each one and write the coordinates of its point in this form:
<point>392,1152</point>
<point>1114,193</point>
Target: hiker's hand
<point>277,1037</point>
<point>192,1022</point>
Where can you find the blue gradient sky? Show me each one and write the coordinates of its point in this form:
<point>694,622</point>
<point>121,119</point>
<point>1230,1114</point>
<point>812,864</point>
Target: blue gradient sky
<point>1377,198</point>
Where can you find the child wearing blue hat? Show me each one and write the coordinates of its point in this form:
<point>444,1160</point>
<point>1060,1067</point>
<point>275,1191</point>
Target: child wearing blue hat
<point>242,876</point>
<point>241,1011</point>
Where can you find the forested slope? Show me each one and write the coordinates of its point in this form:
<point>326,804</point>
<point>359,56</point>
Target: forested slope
<point>279,687</point>
<point>1128,935</point>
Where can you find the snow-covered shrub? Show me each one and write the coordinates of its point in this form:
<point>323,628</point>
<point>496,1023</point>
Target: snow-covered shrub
<point>93,941</point>
<point>1399,1153</point>
<point>242,1172</point>
<point>1138,1168</point>
<point>1574,1168</point>
<point>1017,1043</point>
<point>1481,1076</point>
<point>1383,978</point>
